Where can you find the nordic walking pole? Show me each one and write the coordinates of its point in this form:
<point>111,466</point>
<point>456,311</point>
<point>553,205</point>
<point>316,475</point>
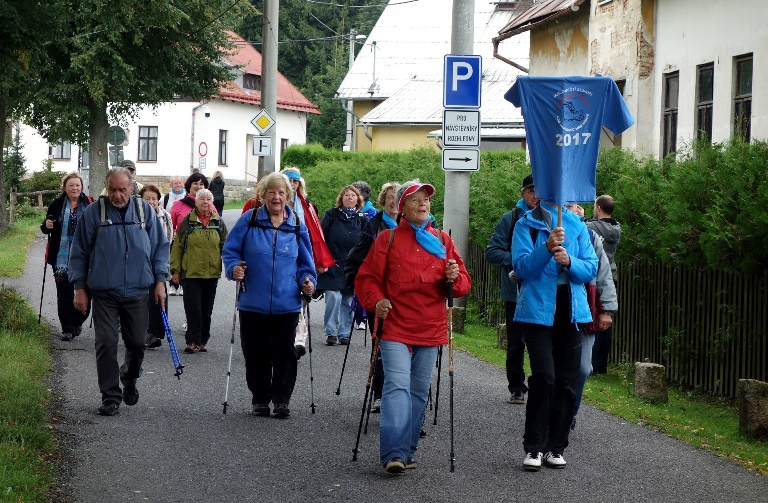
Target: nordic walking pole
<point>349,343</point>
<point>374,349</point>
<point>238,287</point>
<point>171,344</point>
<point>450,358</point>
<point>307,299</point>
<point>439,372</point>
<point>45,273</point>
<point>370,402</point>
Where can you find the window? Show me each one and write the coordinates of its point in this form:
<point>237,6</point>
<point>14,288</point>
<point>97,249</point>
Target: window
<point>705,75</point>
<point>671,88</point>
<point>148,143</point>
<point>252,82</point>
<point>62,151</point>
<point>222,147</point>
<point>742,100</point>
<point>283,145</point>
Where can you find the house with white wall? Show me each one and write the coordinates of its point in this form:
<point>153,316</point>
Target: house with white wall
<point>394,89</point>
<point>212,135</point>
<point>687,69</point>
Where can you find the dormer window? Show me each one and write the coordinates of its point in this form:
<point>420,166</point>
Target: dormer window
<point>252,82</point>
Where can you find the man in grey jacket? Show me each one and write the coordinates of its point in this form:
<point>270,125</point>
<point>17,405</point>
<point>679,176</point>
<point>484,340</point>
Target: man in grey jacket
<point>121,253</point>
<point>499,253</point>
<point>610,231</point>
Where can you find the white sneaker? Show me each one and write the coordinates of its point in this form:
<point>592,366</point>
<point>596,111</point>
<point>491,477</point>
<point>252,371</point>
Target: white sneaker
<point>376,406</point>
<point>180,290</point>
<point>554,460</point>
<point>532,461</point>
<point>361,325</point>
<point>171,291</point>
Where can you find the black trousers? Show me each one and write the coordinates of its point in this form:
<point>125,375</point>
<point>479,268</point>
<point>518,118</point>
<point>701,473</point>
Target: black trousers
<point>600,351</point>
<point>515,352</point>
<point>131,312</point>
<point>555,355</point>
<point>270,356</point>
<point>70,318</point>
<point>199,296</point>
<point>155,326</point>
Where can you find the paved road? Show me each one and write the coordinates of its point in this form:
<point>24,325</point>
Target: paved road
<point>177,446</point>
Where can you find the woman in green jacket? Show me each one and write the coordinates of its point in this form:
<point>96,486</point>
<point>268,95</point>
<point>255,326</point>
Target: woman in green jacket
<point>196,263</point>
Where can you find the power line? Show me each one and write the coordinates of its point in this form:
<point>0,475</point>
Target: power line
<point>372,6</point>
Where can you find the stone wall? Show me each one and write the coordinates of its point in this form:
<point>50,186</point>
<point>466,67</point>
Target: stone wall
<point>234,190</point>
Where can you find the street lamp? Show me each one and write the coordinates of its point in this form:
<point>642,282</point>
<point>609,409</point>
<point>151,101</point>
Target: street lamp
<point>353,36</point>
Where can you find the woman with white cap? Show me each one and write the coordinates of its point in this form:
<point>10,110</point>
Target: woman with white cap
<point>404,280</point>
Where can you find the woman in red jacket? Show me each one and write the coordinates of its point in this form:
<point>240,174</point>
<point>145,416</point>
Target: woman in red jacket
<point>404,280</point>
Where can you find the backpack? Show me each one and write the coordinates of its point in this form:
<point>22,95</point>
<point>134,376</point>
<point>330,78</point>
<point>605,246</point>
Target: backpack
<point>252,222</point>
<point>191,228</point>
<point>105,222</point>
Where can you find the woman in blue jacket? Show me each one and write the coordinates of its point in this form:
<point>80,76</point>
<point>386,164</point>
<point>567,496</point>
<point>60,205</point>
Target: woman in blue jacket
<point>554,263</point>
<point>275,246</point>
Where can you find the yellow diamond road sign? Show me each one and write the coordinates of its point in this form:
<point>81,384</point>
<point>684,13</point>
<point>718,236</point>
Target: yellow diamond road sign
<point>263,122</point>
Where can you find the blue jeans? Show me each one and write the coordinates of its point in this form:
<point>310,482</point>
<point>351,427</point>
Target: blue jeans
<point>587,341</point>
<point>407,376</point>
<point>338,314</point>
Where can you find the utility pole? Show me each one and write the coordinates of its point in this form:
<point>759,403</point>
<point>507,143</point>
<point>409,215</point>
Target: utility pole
<point>349,106</point>
<point>269,31</point>
<point>456,202</point>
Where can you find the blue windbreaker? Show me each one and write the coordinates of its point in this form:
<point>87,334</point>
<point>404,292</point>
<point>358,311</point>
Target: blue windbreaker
<point>537,267</point>
<point>277,262</point>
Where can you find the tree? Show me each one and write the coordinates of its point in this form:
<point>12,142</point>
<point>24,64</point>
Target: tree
<point>24,29</point>
<point>121,56</point>
<point>13,162</point>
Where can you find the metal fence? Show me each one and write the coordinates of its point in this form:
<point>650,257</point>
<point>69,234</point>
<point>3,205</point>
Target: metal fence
<point>709,328</point>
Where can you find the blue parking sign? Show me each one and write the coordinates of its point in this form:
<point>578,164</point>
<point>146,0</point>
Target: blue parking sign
<point>462,79</point>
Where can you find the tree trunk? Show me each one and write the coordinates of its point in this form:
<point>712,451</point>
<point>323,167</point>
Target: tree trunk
<point>3,124</point>
<point>98,154</point>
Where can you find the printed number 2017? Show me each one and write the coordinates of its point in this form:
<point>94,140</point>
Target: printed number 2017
<point>566,140</point>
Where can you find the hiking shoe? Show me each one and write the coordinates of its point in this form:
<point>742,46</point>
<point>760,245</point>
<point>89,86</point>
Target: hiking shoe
<point>202,348</point>
<point>554,460</point>
<point>344,341</point>
<point>423,433</point>
<point>532,461</point>
<point>300,351</point>
<point>281,411</point>
<point>77,331</point>
<point>410,464</point>
<point>261,409</point>
<point>395,465</point>
<point>331,340</point>
<point>361,325</point>
<point>153,341</point>
<point>191,348</point>
<point>130,394</point>
<point>573,424</point>
<point>517,397</point>
<point>66,336</point>
<point>184,326</point>
<point>376,406</point>
<point>109,408</point>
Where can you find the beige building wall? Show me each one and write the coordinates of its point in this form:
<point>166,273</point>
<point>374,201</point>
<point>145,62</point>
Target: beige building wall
<point>361,142</point>
<point>561,48</point>
<point>398,138</point>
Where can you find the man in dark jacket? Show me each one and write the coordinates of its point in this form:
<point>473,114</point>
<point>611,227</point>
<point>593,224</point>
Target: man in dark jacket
<point>610,231</point>
<point>499,253</point>
<point>119,251</point>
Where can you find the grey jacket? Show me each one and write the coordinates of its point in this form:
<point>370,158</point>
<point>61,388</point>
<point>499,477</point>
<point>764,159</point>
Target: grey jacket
<point>604,278</point>
<point>610,230</point>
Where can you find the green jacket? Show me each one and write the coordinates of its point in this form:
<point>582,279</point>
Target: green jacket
<point>196,250</point>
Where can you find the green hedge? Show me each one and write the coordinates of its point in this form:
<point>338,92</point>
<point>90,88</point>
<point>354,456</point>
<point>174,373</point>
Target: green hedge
<point>705,208</point>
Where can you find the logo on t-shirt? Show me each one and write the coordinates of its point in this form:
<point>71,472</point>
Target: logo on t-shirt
<point>573,115</point>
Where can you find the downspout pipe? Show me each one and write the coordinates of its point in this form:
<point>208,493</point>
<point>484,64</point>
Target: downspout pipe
<point>522,29</point>
<point>192,137</point>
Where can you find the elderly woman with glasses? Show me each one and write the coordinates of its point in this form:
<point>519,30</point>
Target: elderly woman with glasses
<point>404,280</point>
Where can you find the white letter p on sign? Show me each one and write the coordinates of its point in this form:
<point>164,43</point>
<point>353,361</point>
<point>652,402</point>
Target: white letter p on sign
<point>458,75</point>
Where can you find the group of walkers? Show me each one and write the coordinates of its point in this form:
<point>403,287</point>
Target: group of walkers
<point>114,255</point>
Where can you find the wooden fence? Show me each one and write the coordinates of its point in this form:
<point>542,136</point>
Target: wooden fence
<point>709,328</point>
<point>14,198</point>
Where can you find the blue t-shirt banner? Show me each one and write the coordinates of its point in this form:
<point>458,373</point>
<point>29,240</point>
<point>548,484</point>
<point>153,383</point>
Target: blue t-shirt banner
<point>563,121</point>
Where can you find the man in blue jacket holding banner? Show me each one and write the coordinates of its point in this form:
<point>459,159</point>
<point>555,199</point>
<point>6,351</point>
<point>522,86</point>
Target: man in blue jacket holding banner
<point>551,250</point>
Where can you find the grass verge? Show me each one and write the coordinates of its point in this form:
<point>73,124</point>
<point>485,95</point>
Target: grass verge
<point>25,438</point>
<point>706,422</point>
<point>16,240</point>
